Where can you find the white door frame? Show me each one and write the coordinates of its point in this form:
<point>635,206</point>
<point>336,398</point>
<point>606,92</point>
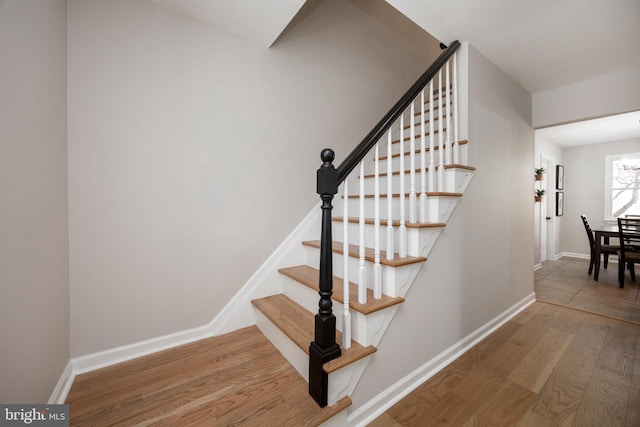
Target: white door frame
<point>547,251</point>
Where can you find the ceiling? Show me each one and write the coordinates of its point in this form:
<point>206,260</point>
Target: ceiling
<point>542,44</point>
<point>260,22</point>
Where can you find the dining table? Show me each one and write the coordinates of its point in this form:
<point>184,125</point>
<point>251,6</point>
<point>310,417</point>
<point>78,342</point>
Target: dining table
<point>601,235</point>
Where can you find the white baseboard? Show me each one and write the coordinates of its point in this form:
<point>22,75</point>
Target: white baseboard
<point>61,390</point>
<point>573,255</point>
<point>392,395</point>
<point>538,266</point>
<point>112,356</point>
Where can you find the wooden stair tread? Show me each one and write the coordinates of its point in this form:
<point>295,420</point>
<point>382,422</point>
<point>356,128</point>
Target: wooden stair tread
<point>298,324</point>
<point>417,137</point>
<point>238,378</point>
<point>396,223</point>
<point>417,171</point>
<point>308,276</point>
<point>429,194</point>
<point>369,254</point>
<point>419,150</point>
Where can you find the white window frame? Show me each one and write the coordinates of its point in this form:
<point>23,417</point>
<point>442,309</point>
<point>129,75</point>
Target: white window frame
<point>608,190</point>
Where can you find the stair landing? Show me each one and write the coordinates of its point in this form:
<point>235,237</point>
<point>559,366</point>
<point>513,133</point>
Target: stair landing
<point>233,379</point>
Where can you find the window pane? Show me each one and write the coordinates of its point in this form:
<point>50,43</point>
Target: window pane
<point>622,185</point>
<point>625,202</point>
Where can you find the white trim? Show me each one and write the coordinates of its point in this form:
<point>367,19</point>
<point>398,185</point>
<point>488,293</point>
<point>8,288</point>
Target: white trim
<point>101,359</point>
<point>573,255</point>
<point>61,390</point>
<point>538,266</point>
<point>396,392</point>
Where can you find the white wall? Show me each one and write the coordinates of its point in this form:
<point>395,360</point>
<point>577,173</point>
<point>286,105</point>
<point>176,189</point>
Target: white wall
<point>192,153</point>
<point>34,281</point>
<point>584,189</point>
<point>481,264</point>
<point>614,93</point>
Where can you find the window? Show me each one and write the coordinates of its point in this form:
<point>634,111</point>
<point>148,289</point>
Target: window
<point>622,185</point>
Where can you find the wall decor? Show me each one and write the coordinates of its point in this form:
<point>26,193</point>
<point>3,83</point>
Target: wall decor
<point>559,203</point>
<point>559,177</point>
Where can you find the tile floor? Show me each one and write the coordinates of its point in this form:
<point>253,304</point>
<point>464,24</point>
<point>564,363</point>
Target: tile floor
<point>566,282</point>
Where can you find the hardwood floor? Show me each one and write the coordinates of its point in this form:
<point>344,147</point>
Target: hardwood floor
<point>566,282</point>
<point>552,365</point>
<point>233,379</point>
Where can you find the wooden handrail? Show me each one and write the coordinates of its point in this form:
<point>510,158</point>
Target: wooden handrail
<point>385,123</point>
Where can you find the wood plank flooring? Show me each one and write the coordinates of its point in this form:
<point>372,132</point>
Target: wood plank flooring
<point>233,379</point>
<point>566,282</point>
<point>552,365</point>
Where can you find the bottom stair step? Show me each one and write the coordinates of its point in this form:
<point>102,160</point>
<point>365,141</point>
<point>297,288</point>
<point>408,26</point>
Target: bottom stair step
<point>298,324</point>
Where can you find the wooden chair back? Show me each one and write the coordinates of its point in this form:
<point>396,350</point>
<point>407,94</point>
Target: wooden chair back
<point>629,231</point>
<point>587,228</point>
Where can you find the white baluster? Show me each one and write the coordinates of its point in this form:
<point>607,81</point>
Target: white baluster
<point>432,146</point>
<point>456,137</point>
<point>346,313</point>
<point>423,165</point>
<point>412,166</point>
<point>440,136</point>
<point>448,153</point>
<point>402,238</point>
<point>362,277</point>
<point>389,197</point>
<point>377,268</point>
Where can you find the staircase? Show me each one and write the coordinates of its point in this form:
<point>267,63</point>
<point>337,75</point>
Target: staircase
<point>363,313</point>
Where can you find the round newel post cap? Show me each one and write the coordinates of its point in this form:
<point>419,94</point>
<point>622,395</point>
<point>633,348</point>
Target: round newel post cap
<point>327,155</point>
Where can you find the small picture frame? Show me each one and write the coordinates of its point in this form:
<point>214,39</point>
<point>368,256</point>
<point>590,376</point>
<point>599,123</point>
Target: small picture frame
<point>559,203</point>
<point>559,177</point>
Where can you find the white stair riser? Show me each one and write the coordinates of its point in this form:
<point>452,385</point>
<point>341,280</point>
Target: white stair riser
<point>455,181</point>
<point>298,358</point>
<point>366,329</point>
<point>393,278</point>
<point>395,164</point>
<point>419,240</point>
<point>439,208</point>
<point>369,184</point>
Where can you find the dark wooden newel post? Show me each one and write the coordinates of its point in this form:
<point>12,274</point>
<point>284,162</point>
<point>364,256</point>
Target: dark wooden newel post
<point>324,347</point>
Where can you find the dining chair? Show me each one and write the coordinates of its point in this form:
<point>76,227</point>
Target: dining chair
<point>629,232</point>
<point>606,250</point>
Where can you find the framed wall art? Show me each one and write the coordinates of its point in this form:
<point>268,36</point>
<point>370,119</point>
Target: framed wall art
<point>559,177</point>
<point>559,203</point>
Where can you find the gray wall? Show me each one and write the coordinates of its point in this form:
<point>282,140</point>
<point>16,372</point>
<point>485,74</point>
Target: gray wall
<point>614,93</point>
<point>192,153</point>
<point>584,189</point>
<point>481,264</point>
<point>34,282</point>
